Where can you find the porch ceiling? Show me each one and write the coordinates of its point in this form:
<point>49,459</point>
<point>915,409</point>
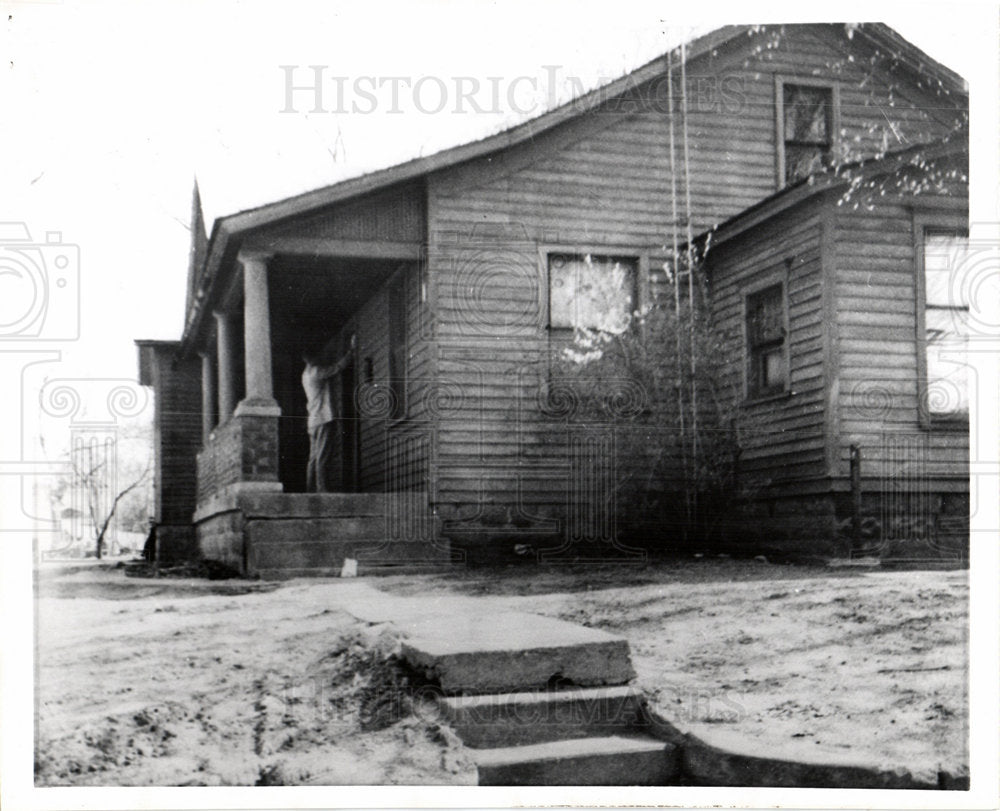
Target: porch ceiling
<point>315,292</point>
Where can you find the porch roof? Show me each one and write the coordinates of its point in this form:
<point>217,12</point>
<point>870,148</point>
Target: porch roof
<point>843,176</point>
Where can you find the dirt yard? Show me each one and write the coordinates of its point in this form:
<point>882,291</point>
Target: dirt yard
<point>196,682</point>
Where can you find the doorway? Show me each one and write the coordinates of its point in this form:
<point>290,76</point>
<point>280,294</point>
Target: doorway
<point>350,430</point>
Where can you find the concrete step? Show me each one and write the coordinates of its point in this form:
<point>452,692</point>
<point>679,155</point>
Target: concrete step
<point>605,761</point>
<point>518,719</point>
<point>325,557</point>
<point>483,652</point>
<point>395,552</point>
<point>370,528</point>
<point>327,505</point>
<point>299,553</point>
<point>430,566</point>
<point>288,572</point>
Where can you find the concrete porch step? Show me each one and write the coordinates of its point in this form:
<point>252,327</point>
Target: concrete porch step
<point>518,719</point>
<point>288,572</point>
<point>327,505</point>
<point>368,528</point>
<point>405,567</point>
<point>510,652</point>
<point>603,761</point>
<point>296,557</point>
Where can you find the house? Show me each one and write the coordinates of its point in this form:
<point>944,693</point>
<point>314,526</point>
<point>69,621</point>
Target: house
<point>453,281</point>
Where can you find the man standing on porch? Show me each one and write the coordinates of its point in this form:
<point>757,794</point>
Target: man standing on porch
<point>319,405</point>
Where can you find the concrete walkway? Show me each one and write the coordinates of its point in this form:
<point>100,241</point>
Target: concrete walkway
<point>540,701</point>
<point>537,700</point>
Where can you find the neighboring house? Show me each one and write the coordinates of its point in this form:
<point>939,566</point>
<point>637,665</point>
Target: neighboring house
<point>459,277</point>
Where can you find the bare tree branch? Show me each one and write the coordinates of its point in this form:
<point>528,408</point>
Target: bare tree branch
<point>114,506</point>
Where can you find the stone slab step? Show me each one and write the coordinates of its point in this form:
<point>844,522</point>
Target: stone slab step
<point>605,761</point>
<point>315,505</point>
<point>300,556</point>
<point>482,652</point>
<point>518,719</point>
<point>404,567</point>
<point>370,528</point>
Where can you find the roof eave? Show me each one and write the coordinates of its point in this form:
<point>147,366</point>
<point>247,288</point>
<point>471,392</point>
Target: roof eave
<point>787,198</point>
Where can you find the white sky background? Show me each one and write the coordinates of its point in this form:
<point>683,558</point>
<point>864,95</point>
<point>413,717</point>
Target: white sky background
<point>110,109</point>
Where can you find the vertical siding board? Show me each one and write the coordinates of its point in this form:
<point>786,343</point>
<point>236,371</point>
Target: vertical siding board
<point>395,215</point>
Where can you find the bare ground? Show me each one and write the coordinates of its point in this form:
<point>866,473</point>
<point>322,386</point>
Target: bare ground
<point>865,665</point>
<point>195,682</point>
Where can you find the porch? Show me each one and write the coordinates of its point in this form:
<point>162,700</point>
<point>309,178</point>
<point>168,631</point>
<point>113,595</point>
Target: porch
<point>253,513</point>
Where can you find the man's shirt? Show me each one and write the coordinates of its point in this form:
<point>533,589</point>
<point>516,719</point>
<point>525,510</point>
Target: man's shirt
<point>316,383</point>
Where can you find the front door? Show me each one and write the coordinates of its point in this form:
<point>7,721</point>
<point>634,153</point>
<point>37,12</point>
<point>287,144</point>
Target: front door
<point>350,432</point>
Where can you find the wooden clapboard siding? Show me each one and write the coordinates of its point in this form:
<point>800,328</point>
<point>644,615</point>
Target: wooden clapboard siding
<point>784,437</point>
<point>876,282</point>
<point>394,452</point>
<point>602,182</point>
<point>176,435</point>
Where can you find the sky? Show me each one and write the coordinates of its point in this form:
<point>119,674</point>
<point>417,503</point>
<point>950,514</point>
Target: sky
<point>112,109</point>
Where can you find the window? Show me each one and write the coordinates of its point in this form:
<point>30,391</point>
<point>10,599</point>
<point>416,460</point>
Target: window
<point>807,122</point>
<point>397,345</point>
<point>946,325</point>
<point>592,292</point>
<point>767,355</point>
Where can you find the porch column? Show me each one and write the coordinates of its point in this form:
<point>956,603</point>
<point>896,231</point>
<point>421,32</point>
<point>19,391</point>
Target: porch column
<point>207,395</point>
<point>226,365</point>
<point>257,337</point>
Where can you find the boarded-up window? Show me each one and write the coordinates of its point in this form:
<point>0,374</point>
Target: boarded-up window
<point>397,345</point>
<point>808,129</point>
<point>946,319</point>
<point>766,351</point>
<point>591,292</point>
